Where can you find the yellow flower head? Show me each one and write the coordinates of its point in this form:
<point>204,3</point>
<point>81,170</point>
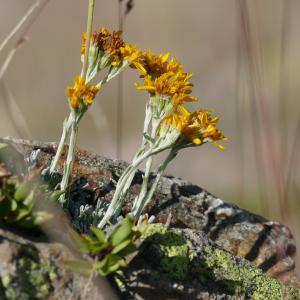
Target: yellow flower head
<point>177,121</point>
<point>113,46</point>
<point>198,127</point>
<point>128,52</point>
<point>176,86</point>
<point>81,91</point>
<point>202,127</point>
<point>156,65</point>
<point>109,43</point>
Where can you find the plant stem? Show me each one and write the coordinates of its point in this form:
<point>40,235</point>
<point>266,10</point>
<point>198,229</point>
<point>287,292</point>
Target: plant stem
<point>144,188</point>
<point>75,116</point>
<point>88,38</point>
<point>70,158</point>
<point>147,198</point>
<point>149,162</point>
<point>122,188</point>
<point>65,133</point>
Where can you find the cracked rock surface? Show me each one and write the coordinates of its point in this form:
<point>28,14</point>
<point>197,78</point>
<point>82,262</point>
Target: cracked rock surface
<point>247,246</point>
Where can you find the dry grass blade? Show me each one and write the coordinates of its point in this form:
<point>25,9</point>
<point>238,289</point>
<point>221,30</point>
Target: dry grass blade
<point>23,26</point>
<point>283,88</point>
<point>36,7</point>
<point>293,159</point>
<point>10,56</point>
<point>129,6</point>
<point>265,146</point>
<point>15,113</point>
<point>247,53</point>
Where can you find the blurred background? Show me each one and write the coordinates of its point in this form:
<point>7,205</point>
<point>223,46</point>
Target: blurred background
<point>245,59</point>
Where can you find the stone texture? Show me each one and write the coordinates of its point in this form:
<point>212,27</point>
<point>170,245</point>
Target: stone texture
<point>36,270</point>
<point>184,264</point>
<point>266,244</point>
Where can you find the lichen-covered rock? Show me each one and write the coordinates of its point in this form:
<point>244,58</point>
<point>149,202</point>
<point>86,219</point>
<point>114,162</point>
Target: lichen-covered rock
<point>186,265</point>
<point>34,270</point>
<point>268,245</point>
<point>200,257</point>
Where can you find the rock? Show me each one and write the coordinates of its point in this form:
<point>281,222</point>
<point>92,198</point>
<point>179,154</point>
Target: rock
<point>34,270</point>
<point>184,264</point>
<point>198,215</point>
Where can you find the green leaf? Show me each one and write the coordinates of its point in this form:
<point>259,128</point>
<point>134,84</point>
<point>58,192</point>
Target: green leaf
<point>121,246</point>
<point>128,250</point>
<point>121,232</point>
<point>97,248</point>
<point>89,239</point>
<point>22,191</point>
<point>110,264</point>
<point>22,213</point>
<point>28,201</point>
<point>81,242</point>
<point>80,266</point>
<point>98,233</point>
<point>56,194</point>
<point>13,205</point>
<point>3,146</point>
<point>41,217</point>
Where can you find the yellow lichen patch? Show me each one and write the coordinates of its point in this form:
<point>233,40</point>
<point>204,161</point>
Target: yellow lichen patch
<point>81,91</point>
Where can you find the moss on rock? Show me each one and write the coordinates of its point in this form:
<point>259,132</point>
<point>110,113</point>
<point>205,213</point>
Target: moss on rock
<point>30,278</point>
<point>169,248</point>
<point>185,256</point>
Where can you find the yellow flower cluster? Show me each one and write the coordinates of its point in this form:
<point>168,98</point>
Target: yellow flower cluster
<point>81,91</point>
<point>165,77</point>
<point>154,66</point>
<point>176,86</point>
<point>197,127</point>
<point>112,45</point>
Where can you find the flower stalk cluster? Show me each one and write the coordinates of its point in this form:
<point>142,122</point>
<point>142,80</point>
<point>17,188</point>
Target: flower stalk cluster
<point>101,52</point>
<point>168,126</point>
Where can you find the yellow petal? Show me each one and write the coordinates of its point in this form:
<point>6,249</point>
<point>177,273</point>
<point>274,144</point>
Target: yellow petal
<point>165,57</point>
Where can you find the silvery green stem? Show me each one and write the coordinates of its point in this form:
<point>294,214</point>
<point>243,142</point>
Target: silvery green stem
<point>65,133</point>
<point>124,183</point>
<point>144,188</point>
<point>122,188</point>
<point>88,38</point>
<point>142,202</point>
<point>70,157</point>
<point>149,162</point>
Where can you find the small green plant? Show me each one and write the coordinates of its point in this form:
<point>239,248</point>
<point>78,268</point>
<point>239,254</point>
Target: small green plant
<point>17,203</point>
<point>107,251</point>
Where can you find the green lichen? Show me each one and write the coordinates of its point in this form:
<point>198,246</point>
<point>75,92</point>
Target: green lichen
<point>238,276</point>
<point>31,278</point>
<point>168,250</point>
<point>171,249</point>
<point>292,294</point>
<point>267,288</point>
